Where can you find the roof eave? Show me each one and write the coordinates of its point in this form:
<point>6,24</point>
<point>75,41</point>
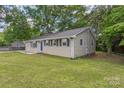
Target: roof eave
<point>51,38</point>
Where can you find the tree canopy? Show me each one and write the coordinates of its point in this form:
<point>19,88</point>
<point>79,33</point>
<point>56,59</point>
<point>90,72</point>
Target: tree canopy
<point>18,28</point>
<point>56,18</point>
<point>107,20</point>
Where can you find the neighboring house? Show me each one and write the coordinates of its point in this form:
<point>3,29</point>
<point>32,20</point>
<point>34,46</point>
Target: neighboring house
<point>72,43</point>
<point>17,45</point>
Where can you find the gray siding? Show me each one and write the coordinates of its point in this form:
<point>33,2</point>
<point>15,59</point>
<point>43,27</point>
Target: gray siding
<point>30,49</point>
<point>58,51</point>
<point>71,51</point>
<point>64,51</point>
<point>86,47</point>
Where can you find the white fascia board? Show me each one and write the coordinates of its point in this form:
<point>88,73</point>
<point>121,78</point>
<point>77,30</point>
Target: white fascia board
<point>53,38</point>
<point>49,38</point>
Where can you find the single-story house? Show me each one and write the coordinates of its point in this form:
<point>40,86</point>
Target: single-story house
<point>71,43</point>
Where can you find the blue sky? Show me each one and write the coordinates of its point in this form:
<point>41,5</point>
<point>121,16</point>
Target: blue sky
<point>1,30</point>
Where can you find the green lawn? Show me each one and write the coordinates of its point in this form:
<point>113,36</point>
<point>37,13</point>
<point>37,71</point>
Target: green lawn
<point>21,70</point>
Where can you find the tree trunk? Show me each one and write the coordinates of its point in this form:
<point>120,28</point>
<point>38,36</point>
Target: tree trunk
<point>109,50</point>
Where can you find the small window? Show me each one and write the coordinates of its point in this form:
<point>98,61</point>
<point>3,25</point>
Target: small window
<point>48,42</point>
<point>64,43</point>
<point>68,42</point>
<point>54,42</point>
<point>81,42</point>
<point>45,42</point>
<point>57,42</point>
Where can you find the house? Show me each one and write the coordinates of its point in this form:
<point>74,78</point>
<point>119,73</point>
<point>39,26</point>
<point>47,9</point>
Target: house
<point>71,43</point>
<point>17,45</point>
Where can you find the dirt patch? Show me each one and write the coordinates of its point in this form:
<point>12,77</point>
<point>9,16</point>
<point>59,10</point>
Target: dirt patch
<point>112,57</point>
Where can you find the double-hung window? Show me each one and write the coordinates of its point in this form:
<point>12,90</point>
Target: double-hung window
<point>81,42</point>
<point>68,41</point>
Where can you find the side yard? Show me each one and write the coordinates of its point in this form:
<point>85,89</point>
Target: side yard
<point>37,70</point>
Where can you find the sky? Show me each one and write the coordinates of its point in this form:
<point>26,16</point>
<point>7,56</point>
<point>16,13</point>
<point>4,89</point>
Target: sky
<point>1,30</point>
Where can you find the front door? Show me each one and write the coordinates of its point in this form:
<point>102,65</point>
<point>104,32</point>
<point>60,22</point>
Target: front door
<point>41,46</point>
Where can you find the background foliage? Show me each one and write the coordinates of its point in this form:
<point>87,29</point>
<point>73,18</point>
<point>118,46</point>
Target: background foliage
<point>25,22</point>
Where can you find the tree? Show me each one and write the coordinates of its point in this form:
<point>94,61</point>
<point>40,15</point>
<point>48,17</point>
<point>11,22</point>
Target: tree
<point>56,18</point>
<point>108,20</point>
<point>113,26</point>
<point>111,33</point>
<point>2,41</point>
<point>95,19</point>
<point>18,28</point>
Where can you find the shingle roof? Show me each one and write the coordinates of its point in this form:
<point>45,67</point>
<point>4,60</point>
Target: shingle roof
<point>67,33</point>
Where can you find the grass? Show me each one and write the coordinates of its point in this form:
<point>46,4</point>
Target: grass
<point>37,70</point>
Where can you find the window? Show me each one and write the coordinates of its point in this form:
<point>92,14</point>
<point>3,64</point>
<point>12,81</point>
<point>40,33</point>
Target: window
<point>64,43</point>
<point>57,42</point>
<point>48,42</point>
<point>68,42</point>
<point>81,42</point>
<point>34,45</point>
<point>51,42</point>
<point>54,42</point>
